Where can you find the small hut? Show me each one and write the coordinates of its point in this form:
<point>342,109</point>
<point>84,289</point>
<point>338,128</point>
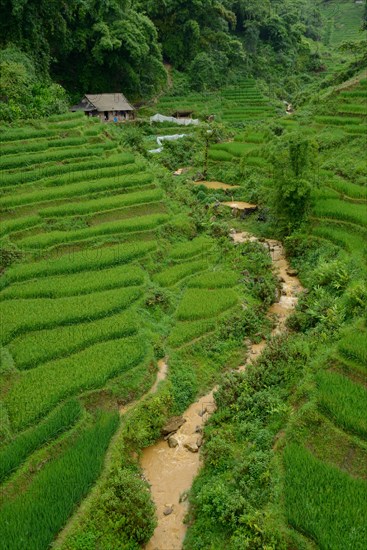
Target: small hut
<point>108,107</point>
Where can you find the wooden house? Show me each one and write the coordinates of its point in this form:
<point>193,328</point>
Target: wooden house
<point>108,107</point>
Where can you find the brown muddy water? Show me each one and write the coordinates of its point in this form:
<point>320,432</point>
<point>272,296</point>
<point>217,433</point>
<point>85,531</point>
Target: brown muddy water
<point>171,471</point>
<point>216,185</point>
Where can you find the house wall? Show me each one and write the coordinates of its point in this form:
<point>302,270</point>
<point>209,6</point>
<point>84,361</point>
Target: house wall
<point>120,115</point>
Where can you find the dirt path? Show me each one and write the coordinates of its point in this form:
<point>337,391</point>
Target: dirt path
<point>171,471</point>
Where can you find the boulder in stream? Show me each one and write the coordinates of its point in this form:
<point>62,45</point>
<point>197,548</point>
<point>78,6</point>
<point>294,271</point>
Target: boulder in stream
<point>168,510</point>
<point>172,442</point>
<point>192,447</point>
<point>173,425</point>
<point>291,272</point>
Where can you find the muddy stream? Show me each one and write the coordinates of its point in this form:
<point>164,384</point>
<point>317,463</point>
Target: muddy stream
<point>170,471</point>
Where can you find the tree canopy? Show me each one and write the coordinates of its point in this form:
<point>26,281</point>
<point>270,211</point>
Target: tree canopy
<point>107,45</point>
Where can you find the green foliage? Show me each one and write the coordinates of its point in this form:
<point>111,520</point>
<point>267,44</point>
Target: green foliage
<point>57,488</point>
<point>293,159</point>
<point>24,94</point>
<point>19,448</point>
<point>324,502</point>
<point>125,510</point>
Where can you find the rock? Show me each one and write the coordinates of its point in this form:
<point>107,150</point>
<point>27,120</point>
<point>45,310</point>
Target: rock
<point>199,441</point>
<point>173,425</point>
<point>277,295</point>
<point>202,412</point>
<point>291,272</point>
<point>192,447</point>
<point>168,510</point>
<point>198,430</point>
<point>172,442</point>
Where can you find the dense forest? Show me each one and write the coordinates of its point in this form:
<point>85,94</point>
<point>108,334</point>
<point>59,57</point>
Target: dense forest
<point>122,44</point>
<point>183,329</point>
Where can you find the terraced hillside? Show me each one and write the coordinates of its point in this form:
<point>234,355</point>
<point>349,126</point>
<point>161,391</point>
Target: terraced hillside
<point>242,102</point>
<point>317,459</point>
<point>69,312</point>
<point>101,277</point>
<point>342,21</point>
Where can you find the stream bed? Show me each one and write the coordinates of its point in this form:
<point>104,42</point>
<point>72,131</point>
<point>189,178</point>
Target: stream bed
<point>170,471</point>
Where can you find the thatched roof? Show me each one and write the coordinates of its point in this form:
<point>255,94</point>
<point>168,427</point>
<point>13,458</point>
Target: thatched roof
<point>103,102</point>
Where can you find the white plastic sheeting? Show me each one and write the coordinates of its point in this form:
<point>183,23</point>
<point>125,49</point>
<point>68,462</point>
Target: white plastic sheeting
<point>160,140</point>
<point>181,121</point>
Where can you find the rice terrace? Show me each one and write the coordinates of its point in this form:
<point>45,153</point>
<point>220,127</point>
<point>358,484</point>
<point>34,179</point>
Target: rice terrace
<point>183,277</point>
